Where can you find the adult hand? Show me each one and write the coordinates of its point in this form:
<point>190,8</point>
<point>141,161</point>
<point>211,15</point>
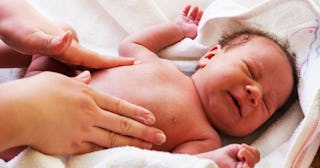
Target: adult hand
<point>59,115</point>
<point>38,35</point>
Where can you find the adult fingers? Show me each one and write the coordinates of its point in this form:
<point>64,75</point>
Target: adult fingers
<point>84,77</point>
<point>123,108</point>
<point>78,55</point>
<point>49,44</point>
<point>86,147</point>
<point>109,139</point>
<point>126,126</point>
<point>114,118</point>
<point>66,27</point>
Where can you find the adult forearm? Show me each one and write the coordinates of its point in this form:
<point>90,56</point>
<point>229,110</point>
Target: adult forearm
<point>10,58</point>
<point>4,8</point>
<point>11,132</point>
<point>9,9</point>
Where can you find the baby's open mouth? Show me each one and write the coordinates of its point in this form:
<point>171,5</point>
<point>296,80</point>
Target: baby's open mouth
<point>236,102</point>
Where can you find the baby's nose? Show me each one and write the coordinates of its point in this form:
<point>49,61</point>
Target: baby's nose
<point>254,93</point>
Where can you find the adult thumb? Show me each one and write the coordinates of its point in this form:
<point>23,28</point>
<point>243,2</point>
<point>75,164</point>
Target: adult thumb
<point>84,77</point>
<point>53,44</point>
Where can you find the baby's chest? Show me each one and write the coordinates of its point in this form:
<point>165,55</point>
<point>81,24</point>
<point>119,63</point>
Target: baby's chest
<point>184,129</point>
<point>181,123</point>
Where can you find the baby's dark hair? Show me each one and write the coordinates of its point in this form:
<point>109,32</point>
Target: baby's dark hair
<point>243,36</point>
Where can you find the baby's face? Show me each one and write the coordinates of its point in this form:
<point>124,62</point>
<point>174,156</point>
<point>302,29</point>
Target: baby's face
<point>241,87</point>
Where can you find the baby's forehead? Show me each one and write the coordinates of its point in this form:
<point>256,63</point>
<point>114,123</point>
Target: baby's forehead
<point>264,48</point>
<point>256,41</point>
<point>257,45</point>
<point>239,40</point>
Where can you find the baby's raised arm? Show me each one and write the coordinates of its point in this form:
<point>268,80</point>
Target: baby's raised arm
<point>145,44</point>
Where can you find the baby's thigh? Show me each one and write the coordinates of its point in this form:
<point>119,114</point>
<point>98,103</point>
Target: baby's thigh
<point>44,63</point>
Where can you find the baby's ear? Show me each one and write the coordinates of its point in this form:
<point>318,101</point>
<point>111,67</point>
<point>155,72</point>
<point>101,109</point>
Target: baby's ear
<point>211,53</point>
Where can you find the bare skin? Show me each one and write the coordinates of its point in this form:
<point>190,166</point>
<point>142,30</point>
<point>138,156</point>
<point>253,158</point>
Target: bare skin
<point>179,102</point>
<point>32,113</point>
<point>38,35</point>
<point>158,92</point>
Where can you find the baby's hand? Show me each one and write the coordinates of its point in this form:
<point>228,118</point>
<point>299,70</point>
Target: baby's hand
<point>188,21</point>
<point>234,156</point>
<point>248,156</point>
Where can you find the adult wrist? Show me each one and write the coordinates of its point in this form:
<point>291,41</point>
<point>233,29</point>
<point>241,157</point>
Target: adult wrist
<point>6,13</point>
<point>12,130</point>
<point>9,10</point>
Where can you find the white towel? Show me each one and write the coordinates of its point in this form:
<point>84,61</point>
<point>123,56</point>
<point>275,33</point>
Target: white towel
<point>115,157</point>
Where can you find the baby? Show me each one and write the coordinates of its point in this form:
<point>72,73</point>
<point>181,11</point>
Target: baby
<point>240,83</point>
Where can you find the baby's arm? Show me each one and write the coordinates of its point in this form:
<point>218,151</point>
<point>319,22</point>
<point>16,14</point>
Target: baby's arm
<point>234,156</point>
<point>145,44</point>
<point>198,146</point>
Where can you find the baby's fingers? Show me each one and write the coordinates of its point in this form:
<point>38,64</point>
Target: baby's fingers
<point>194,13</point>
<point>198,17</point>
<point>186,10</point>
<point>249,155</point>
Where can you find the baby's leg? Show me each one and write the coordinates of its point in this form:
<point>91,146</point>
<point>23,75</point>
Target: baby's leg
<point>41,63</point>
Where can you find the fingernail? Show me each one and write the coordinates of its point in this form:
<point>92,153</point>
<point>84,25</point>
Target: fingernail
<point>149,119</point>
<point>146,145</point>
<point>62,43</point>
<point>84,75</point>
<point>161,138</point>
<point>240,165</point>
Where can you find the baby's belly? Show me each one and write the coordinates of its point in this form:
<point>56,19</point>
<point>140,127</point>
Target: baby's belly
<point>159,96</point>
<point>127,82</point>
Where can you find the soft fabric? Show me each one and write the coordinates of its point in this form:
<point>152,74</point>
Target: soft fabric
<point>115,157</point>
<point>291,141</point>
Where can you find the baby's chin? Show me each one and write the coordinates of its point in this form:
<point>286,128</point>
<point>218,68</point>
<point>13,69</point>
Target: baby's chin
<point>236,131</point>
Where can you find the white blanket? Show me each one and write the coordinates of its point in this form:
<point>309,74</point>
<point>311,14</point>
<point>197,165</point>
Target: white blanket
<point>289,142</point>
<point>115,157</point>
